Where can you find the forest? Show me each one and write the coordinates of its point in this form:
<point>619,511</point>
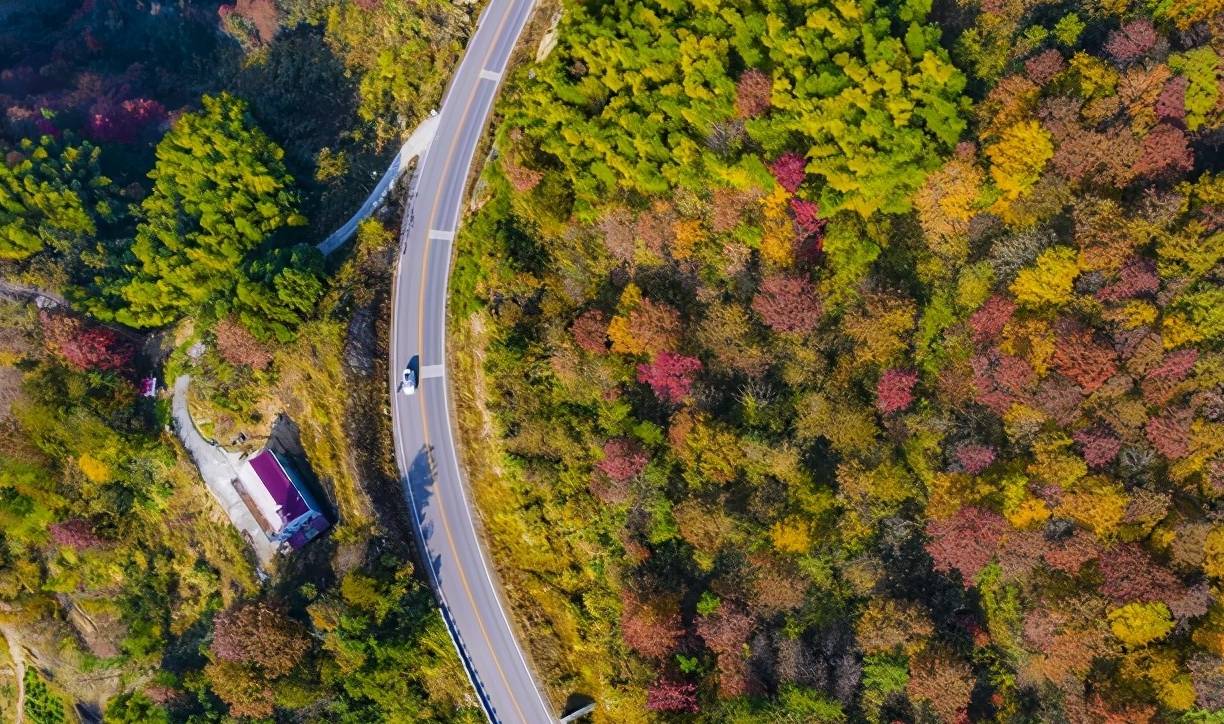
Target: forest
<point>166,170</point>
<point>815,361</point>
<point>860,361</point>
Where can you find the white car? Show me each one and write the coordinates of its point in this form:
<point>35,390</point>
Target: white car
<point>408,384</point>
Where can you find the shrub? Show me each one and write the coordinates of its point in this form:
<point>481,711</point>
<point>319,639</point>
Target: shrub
<point>85,346</point>
<point>238,346</point>
<point>672,696</point>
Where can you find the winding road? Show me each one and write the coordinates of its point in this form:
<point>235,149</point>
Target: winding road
<point>424,441</point>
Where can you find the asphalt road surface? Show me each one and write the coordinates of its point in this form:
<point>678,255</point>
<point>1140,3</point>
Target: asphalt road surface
<point>424,441</point>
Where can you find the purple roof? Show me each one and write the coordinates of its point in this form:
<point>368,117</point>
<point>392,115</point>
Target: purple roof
<point>279,486</point>
<point>308,532</point>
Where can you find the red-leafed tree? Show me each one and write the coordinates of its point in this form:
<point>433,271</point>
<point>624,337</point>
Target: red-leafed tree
<point>726,630</point>
<point>1078,357</point>
<point>1098,445</point>
<point>789,169</point>
<point>670,375</point>
<point>84,346</point>
<point>616,227</point>
<point>752,93</point>
<point>895,390</point>
<point>1170,433</point>
<point>1132,41</point>
<point>1175,365</point>
<point>1163,382</point>
<point>943,681</point>
<point>988,321</point>
<point>1102,157</point>
<point>1130,575</point>
<point>1166,153</point>
<point>650,629</point>
<point>1042,68</point>
<point>590,331</point>
<point>787,303</point>
<point>974,458</point>
<point>651,327</point>
<point>622,459</point>
<point>1136,278</point>
<point>1171,103</point>
<point>729,207</point>
<point>122,123</point>
<point>1059,398</point>
<point>259,634</point>
<point>1192,603</point>
<point>726,633</point>
<point>672,696</point>
<point>966,542</point>
<point>1070,554</point>
<point>1001,380</point>
<point>808,222</point>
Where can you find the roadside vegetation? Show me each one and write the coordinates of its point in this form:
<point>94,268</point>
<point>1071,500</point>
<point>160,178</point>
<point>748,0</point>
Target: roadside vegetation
<point>856,361</point>
<point>167,170</point>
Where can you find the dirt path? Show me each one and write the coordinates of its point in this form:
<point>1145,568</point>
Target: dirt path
<point>218,468</point>
<point>17,654</point>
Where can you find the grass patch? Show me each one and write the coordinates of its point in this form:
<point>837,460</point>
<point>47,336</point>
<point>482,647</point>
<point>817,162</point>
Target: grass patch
<point>568,645</point>
<point>314,393</point>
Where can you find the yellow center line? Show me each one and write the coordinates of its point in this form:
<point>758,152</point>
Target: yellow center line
<point>424,414</point>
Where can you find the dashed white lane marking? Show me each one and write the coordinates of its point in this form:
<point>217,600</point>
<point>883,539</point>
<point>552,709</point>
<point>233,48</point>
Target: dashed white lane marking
<point>490,75</point>
<point>432,371</point>
<point>440,235</point>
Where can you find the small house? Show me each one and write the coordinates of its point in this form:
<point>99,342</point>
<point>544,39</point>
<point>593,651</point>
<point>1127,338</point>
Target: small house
<point>279,500</point>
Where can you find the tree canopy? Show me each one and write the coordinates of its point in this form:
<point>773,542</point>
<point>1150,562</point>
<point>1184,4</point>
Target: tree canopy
<point>208,232</point>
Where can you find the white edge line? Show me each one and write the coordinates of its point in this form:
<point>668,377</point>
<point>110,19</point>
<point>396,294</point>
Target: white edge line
<point>480,549</point>
<point>467,508</point>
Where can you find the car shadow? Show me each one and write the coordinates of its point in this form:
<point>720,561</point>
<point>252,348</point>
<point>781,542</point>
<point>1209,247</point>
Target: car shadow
<point>418,486</point>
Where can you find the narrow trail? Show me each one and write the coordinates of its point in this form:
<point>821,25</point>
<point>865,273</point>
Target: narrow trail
<point>17,654</point>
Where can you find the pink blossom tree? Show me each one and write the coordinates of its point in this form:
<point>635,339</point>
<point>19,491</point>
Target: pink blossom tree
<point>75,533</point>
